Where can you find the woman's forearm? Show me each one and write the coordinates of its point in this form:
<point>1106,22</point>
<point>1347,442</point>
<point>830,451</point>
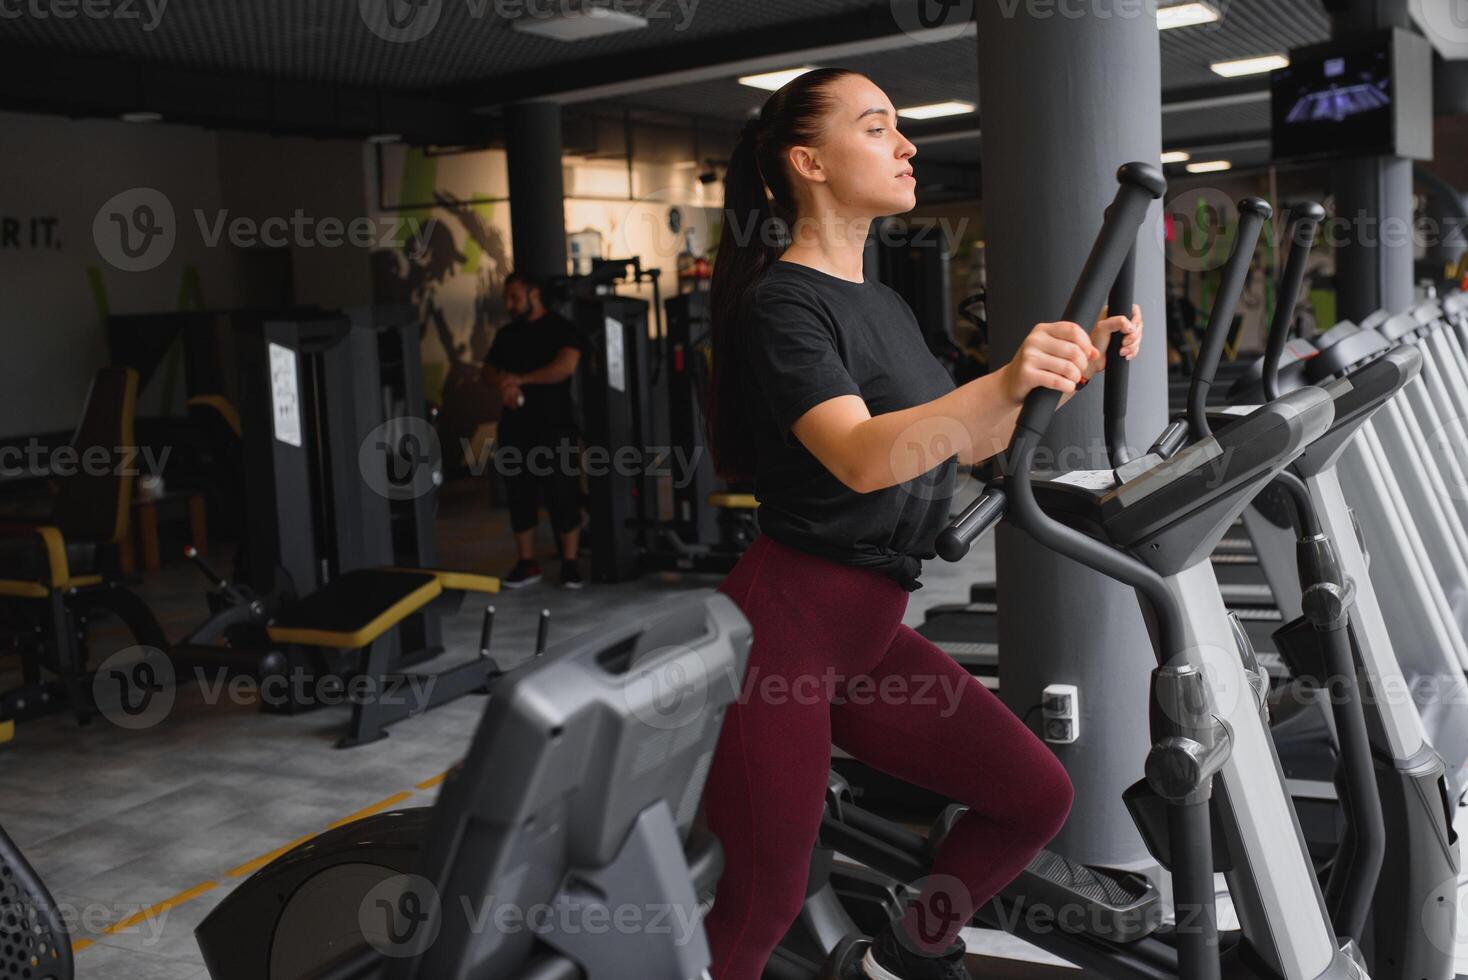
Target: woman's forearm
<point>972,422</point>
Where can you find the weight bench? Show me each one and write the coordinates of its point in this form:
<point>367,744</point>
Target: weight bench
<point>353,611</point>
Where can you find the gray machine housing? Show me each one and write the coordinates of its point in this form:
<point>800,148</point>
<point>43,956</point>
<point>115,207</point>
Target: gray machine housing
<point>578,795</point>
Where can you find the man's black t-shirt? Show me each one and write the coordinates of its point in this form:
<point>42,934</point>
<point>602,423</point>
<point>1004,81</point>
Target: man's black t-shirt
<point>810,337</point>
<point>524,345</point>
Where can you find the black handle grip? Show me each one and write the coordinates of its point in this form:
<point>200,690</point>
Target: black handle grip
<point>218,581</point>
<point>1118,368</point>
<point>1253,212</point>
<point>954,541</point>
<point>486,630</point>
<point>1304,223</point>
<point>1172,438</point>
<point>1140,185</point>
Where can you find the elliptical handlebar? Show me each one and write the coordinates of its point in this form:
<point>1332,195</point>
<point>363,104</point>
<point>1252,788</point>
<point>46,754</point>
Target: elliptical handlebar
<point>1253,212</point>
<point>1118,368</point>
<point>975,521</point>
<point>1140,185</point>
<point>1172,438</point>
<point>1305,221</point>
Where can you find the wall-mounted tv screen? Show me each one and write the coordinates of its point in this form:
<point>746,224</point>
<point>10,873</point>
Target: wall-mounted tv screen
<point>1365,96</point>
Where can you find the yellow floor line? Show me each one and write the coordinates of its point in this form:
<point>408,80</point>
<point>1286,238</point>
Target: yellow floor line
<point>163,906</point>
<point>430,783</point>
<point>255,864</point>
<point>377,807</point>
<point>252,865</point>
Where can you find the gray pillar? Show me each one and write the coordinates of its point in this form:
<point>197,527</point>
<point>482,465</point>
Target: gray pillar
<point>1449,87</point>
<point>1373,201</point>
<point>1065,100</point>
<point>1373,256</point>
<point>533,159</point>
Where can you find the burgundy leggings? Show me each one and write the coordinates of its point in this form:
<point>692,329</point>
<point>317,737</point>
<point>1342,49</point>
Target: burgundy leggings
<point>832,662</point>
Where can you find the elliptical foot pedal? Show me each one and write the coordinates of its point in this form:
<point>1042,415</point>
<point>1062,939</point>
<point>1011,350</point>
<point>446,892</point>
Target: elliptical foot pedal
<point>1118,906</point>
<point>845,961</point>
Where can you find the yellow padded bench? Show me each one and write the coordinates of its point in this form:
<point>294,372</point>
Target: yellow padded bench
<point>354,610</point>
<point>57,576</point>
<point>733,501</point>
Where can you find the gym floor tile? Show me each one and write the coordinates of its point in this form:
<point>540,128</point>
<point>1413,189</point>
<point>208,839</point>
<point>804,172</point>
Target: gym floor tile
<point>117,821</point>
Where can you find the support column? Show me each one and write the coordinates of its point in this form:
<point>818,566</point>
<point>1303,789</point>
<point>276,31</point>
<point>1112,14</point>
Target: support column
<point>1373,260</point>
<point>1065,100</point>
<point>1373,199</point>
<point>537,215</point>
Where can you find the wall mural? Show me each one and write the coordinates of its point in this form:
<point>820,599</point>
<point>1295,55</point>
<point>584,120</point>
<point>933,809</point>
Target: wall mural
<point>454,272</point>
<point>454,268</point>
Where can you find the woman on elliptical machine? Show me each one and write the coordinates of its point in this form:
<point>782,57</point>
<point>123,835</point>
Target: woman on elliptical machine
<point>825,394</point>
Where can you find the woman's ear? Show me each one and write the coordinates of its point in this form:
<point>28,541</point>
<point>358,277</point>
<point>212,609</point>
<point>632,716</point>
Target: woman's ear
<point>807,164</point>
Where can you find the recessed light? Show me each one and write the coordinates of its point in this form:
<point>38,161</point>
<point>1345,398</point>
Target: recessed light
<point>579,25</point>
<point>1176,156</point>
<point>1250,66</point>
<point>385,138</point>
<point>1185,15</point>
<point>935,110</point>
<point>773,80</point>
<point>141,117</point>
<point>1209,166</point>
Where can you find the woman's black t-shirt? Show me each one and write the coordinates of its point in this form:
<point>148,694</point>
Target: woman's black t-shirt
<point>810,337</point>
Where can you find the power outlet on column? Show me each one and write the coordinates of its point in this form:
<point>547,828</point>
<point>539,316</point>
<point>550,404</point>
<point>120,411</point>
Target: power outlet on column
<point>1060,709</point>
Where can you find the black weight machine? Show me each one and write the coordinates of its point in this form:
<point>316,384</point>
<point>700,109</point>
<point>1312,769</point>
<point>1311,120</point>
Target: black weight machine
<point>915,263</point>
<point>643,376</point>
<point>335,578</point>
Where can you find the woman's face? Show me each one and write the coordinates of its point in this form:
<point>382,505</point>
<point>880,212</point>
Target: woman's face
<point>864,163</point>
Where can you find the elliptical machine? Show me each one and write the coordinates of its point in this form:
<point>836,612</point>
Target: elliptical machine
<point>1213,798</point>
<point>574,807</point>
<point>1363,761</point>
<point>34,941</point>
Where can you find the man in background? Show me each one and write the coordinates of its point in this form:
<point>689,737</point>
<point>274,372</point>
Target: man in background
<point>532,362</point>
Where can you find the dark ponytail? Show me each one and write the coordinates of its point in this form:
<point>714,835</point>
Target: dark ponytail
<point>752,238</point>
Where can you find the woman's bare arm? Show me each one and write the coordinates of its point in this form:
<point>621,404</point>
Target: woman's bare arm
<point>972,422</point>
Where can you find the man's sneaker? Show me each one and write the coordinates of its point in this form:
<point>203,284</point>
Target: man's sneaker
<point>524,573</point>
<point>889,958</point>
<point>571,575</point>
